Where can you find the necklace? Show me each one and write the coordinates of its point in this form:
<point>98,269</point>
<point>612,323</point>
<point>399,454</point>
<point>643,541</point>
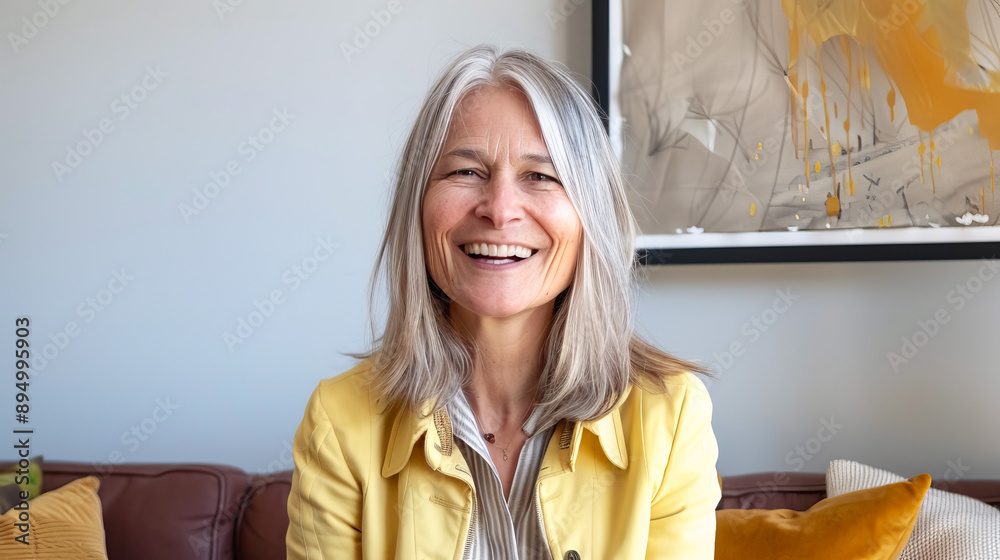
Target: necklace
<point>491,439</point>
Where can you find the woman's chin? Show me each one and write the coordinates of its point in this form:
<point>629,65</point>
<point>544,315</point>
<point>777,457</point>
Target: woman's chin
<point>497,309</point>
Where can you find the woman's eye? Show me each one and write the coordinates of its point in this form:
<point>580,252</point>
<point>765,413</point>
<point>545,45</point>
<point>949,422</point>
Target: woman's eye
<point>541,177</point>
<point>465,173</point>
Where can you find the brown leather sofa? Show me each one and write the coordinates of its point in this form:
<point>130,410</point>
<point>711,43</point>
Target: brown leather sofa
<point>167,511</point>
<point>214,512</point>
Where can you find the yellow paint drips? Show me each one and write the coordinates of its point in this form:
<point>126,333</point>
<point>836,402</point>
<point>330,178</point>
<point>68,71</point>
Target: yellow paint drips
<point>817,166</point>
<point>891,99</point>
<point>921,149</point>
<point>805,126</point>
<point>992,181</point>
<point>931,167</point>
<point>920,45</point>
<point>845,46</point>
<point>939,161</point>
<point>753,209</point>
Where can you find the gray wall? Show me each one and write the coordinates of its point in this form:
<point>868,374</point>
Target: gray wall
<point>151,370</point>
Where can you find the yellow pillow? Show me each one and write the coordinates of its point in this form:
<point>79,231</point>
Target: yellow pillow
<point>62,523</point>
<point>871,524</point>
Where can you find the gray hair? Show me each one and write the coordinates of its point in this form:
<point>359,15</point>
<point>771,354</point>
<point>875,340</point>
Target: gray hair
<point>592,351</point>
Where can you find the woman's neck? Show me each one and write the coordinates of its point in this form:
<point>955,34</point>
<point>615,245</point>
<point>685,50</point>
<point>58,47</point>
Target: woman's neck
<point>507,354</point>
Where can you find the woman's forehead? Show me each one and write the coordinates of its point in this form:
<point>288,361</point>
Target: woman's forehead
<point>495,119</point>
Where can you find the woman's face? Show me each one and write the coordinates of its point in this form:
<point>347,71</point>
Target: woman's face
<point>500,235</point>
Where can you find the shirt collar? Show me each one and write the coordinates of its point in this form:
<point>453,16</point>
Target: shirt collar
<point>408,427</point>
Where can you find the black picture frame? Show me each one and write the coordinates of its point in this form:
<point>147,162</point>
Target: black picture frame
<point>654,255</point>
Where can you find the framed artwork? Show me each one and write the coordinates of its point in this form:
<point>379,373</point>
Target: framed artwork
<point>805,130</point>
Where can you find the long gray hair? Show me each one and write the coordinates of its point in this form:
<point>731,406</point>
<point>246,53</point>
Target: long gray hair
<point>592,351</point>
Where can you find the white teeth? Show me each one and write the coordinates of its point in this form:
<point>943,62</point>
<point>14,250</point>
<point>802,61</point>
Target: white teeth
<point>497,250</point>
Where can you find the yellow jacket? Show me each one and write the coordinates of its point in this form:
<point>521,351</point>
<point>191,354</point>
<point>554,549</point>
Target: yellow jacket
<point>639,482</point>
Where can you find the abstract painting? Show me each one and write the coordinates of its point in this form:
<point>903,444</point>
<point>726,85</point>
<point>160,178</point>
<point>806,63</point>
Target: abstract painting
<point>809,121</point>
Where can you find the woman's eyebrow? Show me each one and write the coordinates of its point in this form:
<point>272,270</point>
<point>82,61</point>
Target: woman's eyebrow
<point>468,153</point>
<point>465,153</point>
<point>537,158</point>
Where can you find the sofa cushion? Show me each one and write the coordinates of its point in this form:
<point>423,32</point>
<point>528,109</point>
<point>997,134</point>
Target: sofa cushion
<point>63,523</point>
<point>949,526</point>
<point>195,506</point>
<point>802,490</point>
<point>264,520</point>
<point>773,490</point>
<point>872,524</point>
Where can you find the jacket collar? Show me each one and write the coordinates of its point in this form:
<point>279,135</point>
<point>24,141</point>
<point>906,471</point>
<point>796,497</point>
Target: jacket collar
<point>408,427</point>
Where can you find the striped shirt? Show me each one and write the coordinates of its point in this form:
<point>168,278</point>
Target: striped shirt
<point>502,529</point>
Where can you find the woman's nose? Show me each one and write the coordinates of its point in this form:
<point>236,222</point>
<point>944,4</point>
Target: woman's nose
<point>502,201</point>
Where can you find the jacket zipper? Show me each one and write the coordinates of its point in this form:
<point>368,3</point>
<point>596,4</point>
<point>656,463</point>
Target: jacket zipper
<point>473,518</point>
<point>467,555</point>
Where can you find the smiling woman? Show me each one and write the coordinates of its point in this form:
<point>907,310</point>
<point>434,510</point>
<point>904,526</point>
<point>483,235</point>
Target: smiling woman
<point>495,188</point>
<point>508,410</point>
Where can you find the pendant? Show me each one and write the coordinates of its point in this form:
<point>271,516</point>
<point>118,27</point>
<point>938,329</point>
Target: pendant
<point>504,453</point>
<point>490,438</point>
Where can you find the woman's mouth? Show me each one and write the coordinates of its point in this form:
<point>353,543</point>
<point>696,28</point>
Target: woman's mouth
<point>498,253</point>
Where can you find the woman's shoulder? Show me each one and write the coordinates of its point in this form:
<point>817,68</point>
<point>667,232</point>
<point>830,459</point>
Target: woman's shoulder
<point>347,395</point>
<point>681,393</point>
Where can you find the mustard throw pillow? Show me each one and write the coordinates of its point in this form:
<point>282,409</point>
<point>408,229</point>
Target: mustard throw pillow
<point>949,525</point>
<point>871,524</point>
<point>62,523</point>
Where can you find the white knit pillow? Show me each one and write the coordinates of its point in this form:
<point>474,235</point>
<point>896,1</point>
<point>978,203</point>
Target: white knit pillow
<point>949,526</point>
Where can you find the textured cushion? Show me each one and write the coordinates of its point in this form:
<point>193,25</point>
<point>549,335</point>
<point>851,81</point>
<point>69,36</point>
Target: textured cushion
<point>866,525</point>
<point>64,523</point>
<point>950,526</point>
